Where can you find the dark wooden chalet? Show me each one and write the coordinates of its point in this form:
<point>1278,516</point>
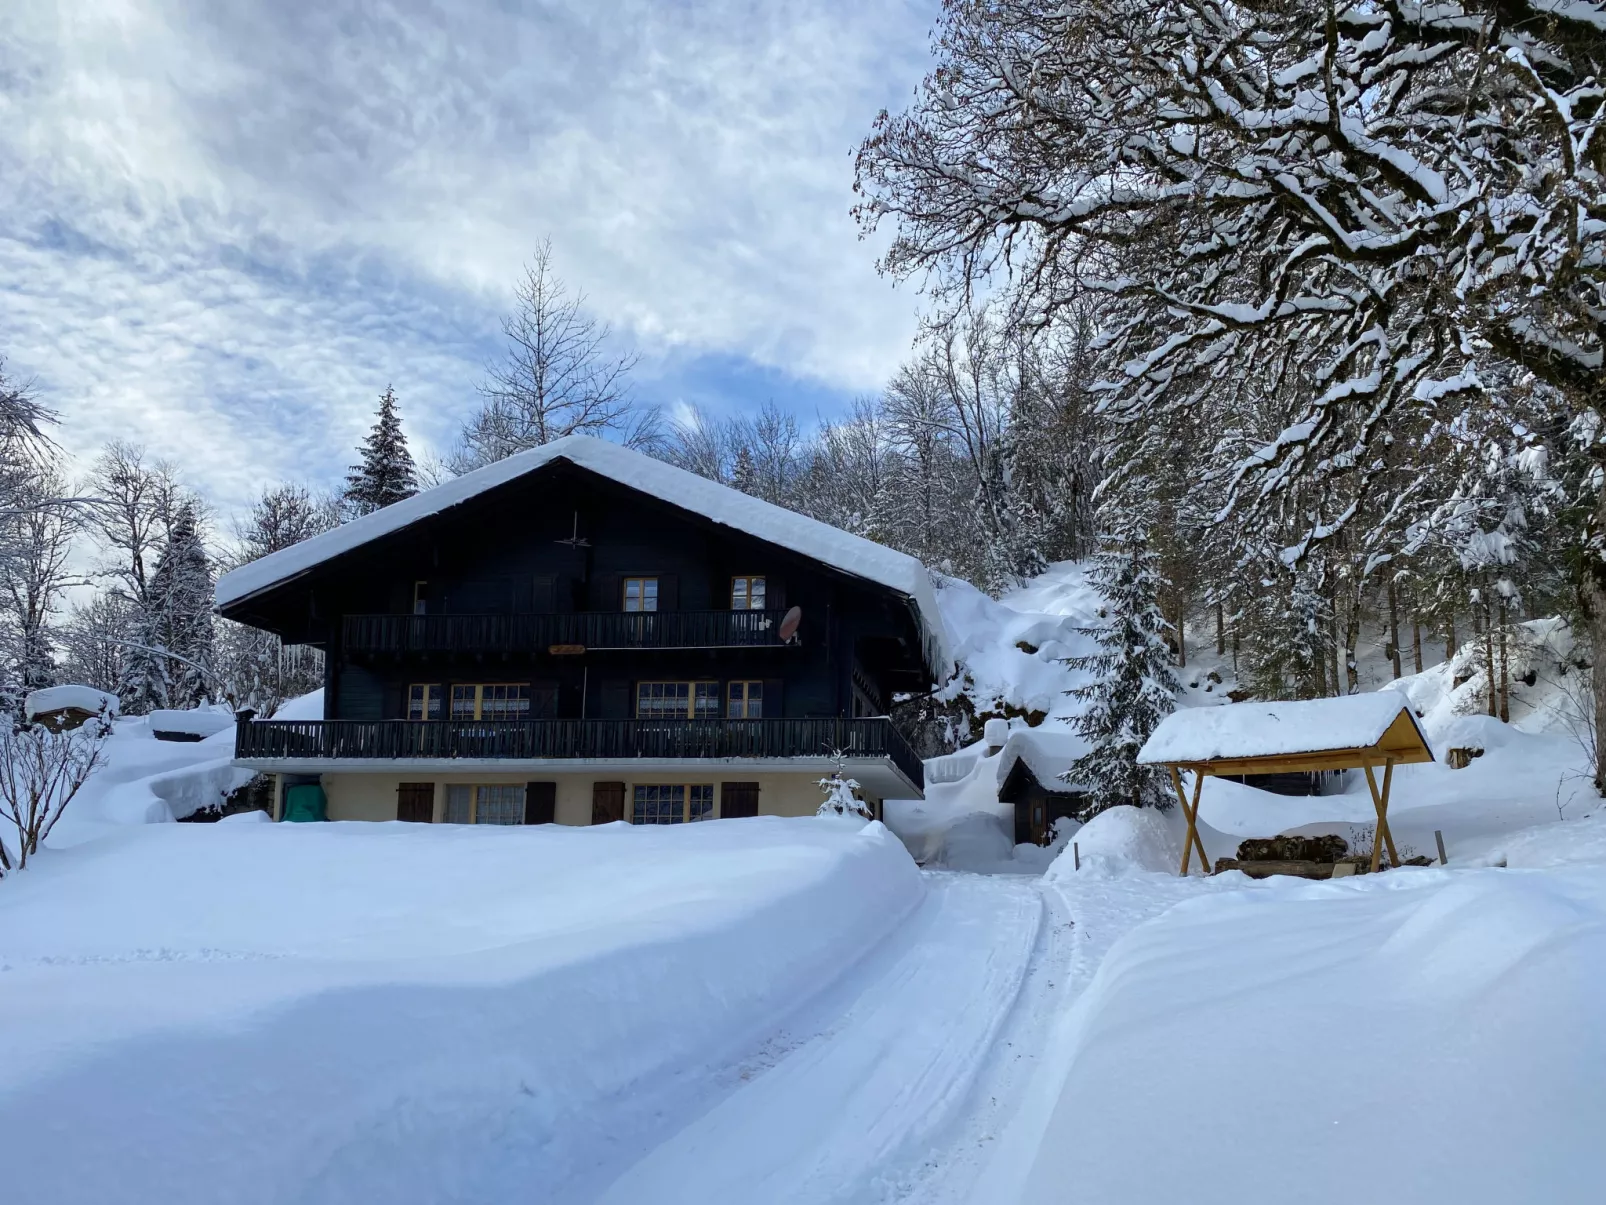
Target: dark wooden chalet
<point>583,633</point>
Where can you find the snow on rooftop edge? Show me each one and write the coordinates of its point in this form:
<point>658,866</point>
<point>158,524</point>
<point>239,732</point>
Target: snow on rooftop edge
<point>1255,729</point>
<point>1047,752</point>
<point>841,550</point>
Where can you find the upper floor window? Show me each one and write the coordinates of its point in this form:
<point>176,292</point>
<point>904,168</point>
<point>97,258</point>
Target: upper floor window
<point>745,701</point>
<point>641,594</point>
<point>424,701</point>
<point>420,598</point>
<point>491,701</point>
<point>747,593</point>
<point>677,700</point>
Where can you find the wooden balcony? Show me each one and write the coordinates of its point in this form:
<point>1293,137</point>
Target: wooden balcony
<point>560,740</point>
<point>572,632</point>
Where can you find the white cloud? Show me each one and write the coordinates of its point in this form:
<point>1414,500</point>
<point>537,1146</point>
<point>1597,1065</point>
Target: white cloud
<point>231,225</point>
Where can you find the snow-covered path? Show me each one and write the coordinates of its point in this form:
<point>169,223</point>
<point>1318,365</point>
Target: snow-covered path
<point>860,1087</point>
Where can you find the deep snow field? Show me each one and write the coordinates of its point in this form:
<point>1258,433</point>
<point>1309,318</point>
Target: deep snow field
<point>765,1011</point>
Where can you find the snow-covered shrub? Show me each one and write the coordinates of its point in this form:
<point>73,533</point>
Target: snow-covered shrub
<point>40,772</point>
<point>841,799</point>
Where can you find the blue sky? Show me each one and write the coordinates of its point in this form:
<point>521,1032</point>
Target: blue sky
<point>226,227</point>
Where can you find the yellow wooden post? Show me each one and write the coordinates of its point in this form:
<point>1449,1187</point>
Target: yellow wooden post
<point>1192,815</point>
<point>1182,801</point>
<point>1380,802</point>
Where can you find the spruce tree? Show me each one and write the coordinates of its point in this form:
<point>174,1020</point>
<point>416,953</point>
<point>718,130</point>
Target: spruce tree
<point>386,473</point>
<point>180,611</point>
<point>1132,687</point>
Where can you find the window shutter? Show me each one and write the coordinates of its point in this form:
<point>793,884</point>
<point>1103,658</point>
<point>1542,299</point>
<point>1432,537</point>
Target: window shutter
<point>607,592</point>
<point>737,799</point>
<point>774,704</point>
<point>668,592</point>
<point>415,802</point>
<point>542,600</point>
<point>396,702</point>
<point>540,802</point>
<point>607,802</point>
<point>774,593</point>
<point>544,700</point>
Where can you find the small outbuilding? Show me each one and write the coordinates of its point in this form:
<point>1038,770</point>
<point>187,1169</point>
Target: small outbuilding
<point>1029,767</point>
<point>1369,732</point>
<point>63,708</point>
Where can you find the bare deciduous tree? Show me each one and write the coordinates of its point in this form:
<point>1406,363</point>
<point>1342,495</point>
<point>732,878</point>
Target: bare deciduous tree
<point>559,376</point>
<point>40,773</point>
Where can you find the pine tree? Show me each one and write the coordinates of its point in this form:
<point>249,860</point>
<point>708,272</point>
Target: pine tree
<point>1133,687</point>
<point>144,685</point>
<point>180,611</point>
<point>841,799</point>
<point>744,473</point>
<point>386,473</point>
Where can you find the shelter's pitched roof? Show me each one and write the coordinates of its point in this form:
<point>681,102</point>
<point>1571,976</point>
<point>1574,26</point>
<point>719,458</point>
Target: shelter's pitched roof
<point>1047,752</point>
<point>838,549</point>
<point>1239,731</point>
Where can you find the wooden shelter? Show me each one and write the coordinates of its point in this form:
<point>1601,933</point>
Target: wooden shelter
<point>1369,732</point>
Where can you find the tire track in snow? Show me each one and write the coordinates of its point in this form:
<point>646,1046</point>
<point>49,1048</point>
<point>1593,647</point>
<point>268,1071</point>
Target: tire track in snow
<point>888,1065</point>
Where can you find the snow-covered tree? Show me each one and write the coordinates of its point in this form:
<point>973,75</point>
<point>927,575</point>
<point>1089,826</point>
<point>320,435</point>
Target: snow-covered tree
<point>1132,687</point>
<point>386,474</point>
<point>178,614</point>
<point>841,797</point>
<point>36,532</point>
<point>40,773</point>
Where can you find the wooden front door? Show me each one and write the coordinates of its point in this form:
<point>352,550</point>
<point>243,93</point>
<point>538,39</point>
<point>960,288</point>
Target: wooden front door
<point>540,802</point>
<point>738,799</point>
<point>415,802</point>
<point>607,802</point>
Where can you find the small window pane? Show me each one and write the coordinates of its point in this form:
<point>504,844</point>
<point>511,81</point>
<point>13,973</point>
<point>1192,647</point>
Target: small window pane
<point>658,805</point>
<point>706,701</point>
<point>500,805</point>
<point>463,702</point>
<point>459,803</point>
<point>662,700</point>
<point>641,594</point>
<point>700,802</point>
<point>746,701</point>
<point>747,594</point>
<point>423,702</point>
<point>505,702</point>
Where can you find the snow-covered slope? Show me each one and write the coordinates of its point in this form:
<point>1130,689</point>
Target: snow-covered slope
<point>386,1012</point>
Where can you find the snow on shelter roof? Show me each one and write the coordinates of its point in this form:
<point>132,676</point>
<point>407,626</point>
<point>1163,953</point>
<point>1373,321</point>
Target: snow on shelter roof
<point>1047,752</point>
<point>831,546</point>
<point>1252,729</point>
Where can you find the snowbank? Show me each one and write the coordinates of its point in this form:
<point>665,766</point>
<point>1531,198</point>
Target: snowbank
<point>55,698</point>
<point>1123,840</point>
<point>303,707</point>
<point>1432,1031</point>
<point>198,721</point>
<point>403,1013</point>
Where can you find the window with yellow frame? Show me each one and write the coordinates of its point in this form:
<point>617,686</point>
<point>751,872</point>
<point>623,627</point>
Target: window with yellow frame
<point>490,700</point>
<point>424,701</point>
<point>677,700</point>
<point>747,593</point>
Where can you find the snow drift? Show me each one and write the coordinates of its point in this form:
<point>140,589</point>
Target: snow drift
<point>254,1012</point>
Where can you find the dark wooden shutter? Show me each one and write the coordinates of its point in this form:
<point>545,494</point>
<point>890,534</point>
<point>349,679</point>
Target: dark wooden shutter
<point>543,599</point>
<point>668,592</point>
<point>607,802</point>
<point>540,802</point>
<point>544,700</point>
<point>607,592</point>
<point>774,593</point>
<point>774,705</point>
<point>415,802</point>
<point>738,799</point>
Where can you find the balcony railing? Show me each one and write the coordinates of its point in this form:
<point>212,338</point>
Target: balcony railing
<point>583,629</point>
<point>565,739</point>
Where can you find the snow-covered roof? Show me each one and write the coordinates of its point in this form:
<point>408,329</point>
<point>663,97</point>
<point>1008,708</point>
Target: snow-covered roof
<point>1047,752</point>
<point>1253,729</point>
<point>819,541</point>
<point>198,721</point>
<point>58,698</point>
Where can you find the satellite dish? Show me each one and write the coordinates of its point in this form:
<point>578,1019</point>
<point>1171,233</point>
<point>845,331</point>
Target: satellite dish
<point>789,623</point>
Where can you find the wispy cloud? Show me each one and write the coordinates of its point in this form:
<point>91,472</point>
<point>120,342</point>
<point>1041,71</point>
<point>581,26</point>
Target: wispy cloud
<point>228,226</point>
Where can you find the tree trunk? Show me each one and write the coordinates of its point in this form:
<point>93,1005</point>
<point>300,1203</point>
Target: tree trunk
<point>1449,637</point>
<point>1416,643</point>
<point>1488,652</point>
<point>1394,629</point>
<point>1338,679</point>
<point>1221,631</point>
<point>1352,638</point>
<point>1505,669</point>
<point>1182,636</point>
